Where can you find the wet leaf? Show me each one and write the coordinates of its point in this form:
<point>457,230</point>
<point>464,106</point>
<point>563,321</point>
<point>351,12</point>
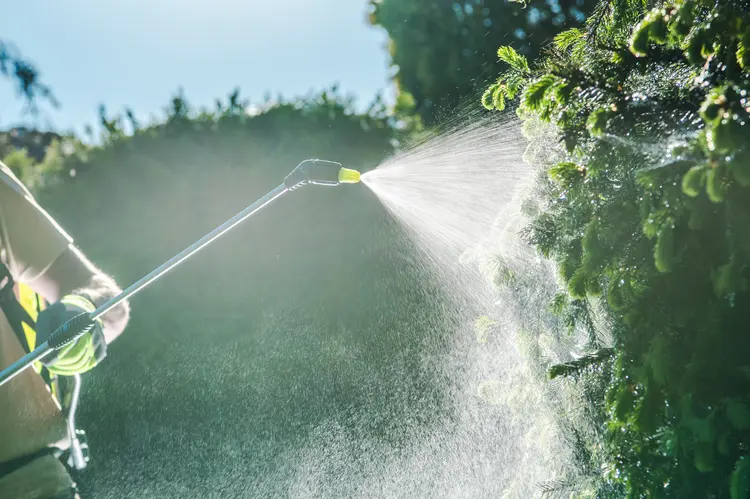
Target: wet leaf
<point>693,180</point>
<point>740,482</point>
<point>664,249</point>
<point>739,414</point>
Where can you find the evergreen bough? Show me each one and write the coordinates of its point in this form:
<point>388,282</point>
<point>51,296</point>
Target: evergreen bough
<point>651,213</point>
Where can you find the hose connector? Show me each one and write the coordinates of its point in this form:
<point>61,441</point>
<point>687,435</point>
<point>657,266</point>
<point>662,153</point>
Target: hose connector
<point>320,172</point>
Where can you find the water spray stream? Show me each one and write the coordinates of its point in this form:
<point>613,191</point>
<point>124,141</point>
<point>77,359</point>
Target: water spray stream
<point>458,197</point>
<point>452,191</point>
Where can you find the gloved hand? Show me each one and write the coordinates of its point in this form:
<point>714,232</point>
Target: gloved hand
<point>83,354</point>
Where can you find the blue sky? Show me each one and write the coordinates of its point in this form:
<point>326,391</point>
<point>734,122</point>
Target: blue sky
<point>138,53</point>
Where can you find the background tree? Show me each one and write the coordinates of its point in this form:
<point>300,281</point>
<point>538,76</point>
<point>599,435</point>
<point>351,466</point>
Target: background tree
<point>28,145</point>
<point>442,50</point>
<point>25,76</point>
<point>650,212</point>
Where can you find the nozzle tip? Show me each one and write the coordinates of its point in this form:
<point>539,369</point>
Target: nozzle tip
<point>347,176</point>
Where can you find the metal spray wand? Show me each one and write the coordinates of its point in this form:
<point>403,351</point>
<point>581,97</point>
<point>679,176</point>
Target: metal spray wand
<point>313,171</point>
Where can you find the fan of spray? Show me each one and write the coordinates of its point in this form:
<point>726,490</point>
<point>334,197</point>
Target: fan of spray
<point>453,192</point>
<point>458,197</point>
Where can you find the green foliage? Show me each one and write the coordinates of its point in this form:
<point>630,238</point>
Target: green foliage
<point>694,180</point>
<point>572,39</point>
<point>597,121</point>
<point>22,167</point>
<point>534,97</point>
<point>664,249</point>
<point>650,209</point>
<point>68,158</point>
<point>441,51</point>
<point>513,59</point>
<point>37,175</point>
<point>577,366</point>
<point>567,173</point>
<point>740,485</point>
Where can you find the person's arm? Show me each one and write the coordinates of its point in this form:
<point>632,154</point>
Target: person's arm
<point>73,273</point>
<point>40,254</point>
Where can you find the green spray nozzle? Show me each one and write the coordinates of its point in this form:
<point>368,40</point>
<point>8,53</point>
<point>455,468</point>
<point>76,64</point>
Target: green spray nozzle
<point>320,172</point>
<point>348,176</point>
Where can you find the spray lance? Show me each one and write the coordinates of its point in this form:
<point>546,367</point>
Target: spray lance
<point>312,172</point>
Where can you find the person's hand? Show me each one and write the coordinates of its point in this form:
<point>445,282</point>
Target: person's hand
<point>83,354</point>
